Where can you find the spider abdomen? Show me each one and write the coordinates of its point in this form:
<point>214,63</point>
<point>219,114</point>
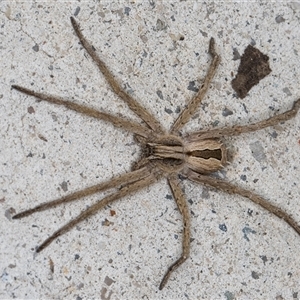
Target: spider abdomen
<point>205,156</point>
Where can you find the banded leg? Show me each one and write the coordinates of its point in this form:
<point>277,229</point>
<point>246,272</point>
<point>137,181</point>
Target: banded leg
<point>132,103</point>
<point>232,189</point>
<point>127,178</point>
<point>186,242</point>
<point>236,130</point>
<point>187,113</point>
<point>85,110</point>
<point>93,209</point>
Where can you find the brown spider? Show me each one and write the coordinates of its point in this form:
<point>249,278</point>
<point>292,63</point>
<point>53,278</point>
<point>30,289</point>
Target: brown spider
<point>165,154</point>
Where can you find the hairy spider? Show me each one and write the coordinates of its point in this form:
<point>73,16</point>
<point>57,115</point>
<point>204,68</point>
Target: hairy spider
<point>166,154</point>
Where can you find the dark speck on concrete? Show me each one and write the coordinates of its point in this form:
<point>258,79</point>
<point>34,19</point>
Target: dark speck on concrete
<point>108,281</point>
<point>36,48</point>
<point>152,3</point>
<point>145,54</point>
<point>246,230</point>
<point>223,227</point>
<point>127,11</point>
<point>177,110</point>
<point>229,295</point>
<point>287,91</point>
<point>160,25</point>
<point>264,258</point>
<point>226,112</point>
<point>215,123</point>
<point>9,212</point>
<point>160,94</point>
<point>279,19</point>
<point>168,111</point>
<point>190,201</point>
<point>205,193</point>
<point>245,108</point>
<point>192,87</point>
<point>243,177</point>
<point>258,151</point>
<point>77,10</point>
<point>236,54</point>
<point>169,197</point>
<point>252,42</point>
<point>274,134</point>
<point>64,186</point>
<point>203,33</point>
<point>30,110</point>
<point>255,275</point>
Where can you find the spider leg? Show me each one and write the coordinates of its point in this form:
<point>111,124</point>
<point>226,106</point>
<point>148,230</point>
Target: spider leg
<point>232,189</point>
<point>91,112</point>
<point>184,210</point>
<point>93,209</point>
<point>132,103</point>
<point>236,130</point>
<point>187,113</point>
<point>127,178</point>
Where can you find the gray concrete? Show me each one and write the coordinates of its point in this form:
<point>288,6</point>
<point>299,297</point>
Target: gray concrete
<point>157,50</point>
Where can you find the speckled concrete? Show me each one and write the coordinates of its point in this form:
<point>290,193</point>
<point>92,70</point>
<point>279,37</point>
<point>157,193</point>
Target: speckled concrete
<point>158,50</point>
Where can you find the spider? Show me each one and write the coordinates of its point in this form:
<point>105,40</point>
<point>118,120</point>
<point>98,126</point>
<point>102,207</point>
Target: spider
<point>194,156</point>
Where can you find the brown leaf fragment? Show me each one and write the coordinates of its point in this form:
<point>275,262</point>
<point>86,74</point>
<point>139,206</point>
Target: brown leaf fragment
<point>107,223</point>
<point>51,264</point>
<point>42,138</point>
<point>254,67</point>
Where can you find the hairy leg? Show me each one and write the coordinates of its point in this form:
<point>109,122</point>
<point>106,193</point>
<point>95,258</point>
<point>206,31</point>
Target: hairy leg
<point>85,110</point>
<point>236,130</point>
<point>93,209</point>
<point>232,189</point>
<point>124,179</point>
<point>132,103</point>
<point>187,113</point>
<point>184,210</point>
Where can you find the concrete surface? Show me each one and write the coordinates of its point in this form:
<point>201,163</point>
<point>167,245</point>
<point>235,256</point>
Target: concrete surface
<point>158,50</point>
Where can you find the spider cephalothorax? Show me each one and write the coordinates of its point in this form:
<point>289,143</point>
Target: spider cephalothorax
<point>168,155</point>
